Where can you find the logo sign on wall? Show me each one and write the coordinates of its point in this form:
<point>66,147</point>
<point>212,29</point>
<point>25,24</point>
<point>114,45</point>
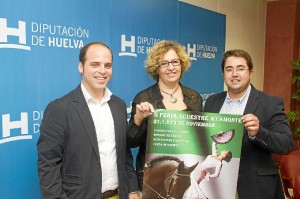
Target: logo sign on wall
<point>39,47</point>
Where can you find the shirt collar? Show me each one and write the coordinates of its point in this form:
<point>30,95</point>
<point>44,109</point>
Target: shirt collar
<point>88,98</point>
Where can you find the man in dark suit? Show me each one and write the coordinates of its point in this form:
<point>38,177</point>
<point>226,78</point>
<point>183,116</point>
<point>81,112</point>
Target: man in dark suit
<point>82,145</point>
<point>266,127</point>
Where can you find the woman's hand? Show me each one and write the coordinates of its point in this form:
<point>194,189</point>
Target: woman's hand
<point>142,110</point>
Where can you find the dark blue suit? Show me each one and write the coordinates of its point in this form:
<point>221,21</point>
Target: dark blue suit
<point>258,175</point>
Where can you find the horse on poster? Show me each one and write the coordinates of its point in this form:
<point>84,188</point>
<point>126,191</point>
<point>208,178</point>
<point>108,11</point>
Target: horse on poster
<point>166,177</point>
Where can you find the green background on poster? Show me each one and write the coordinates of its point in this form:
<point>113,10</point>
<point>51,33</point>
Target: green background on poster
<point>186,132</point>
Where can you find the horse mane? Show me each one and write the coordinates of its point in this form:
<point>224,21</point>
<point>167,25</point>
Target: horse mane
<point>160,159</point>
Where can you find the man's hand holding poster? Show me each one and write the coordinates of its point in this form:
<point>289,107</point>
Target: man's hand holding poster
<point>192,155</point>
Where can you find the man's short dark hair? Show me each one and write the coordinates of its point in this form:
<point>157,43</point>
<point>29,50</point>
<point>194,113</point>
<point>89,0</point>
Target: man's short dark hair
<point>84,49</point>
<point>237,53</point>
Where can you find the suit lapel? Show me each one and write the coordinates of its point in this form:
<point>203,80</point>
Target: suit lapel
<point>219,103</point>
<point>251,107</point>
<point>252,102</point>
<point>86,118</point>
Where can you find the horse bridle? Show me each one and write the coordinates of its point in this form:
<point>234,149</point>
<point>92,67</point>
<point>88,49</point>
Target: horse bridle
<point>171,178</point>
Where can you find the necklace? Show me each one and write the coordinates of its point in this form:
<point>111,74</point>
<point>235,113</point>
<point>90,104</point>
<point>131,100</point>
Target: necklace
<point>172,99</point>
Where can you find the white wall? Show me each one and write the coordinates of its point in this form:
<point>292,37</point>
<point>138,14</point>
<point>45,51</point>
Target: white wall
<point>245,29</point>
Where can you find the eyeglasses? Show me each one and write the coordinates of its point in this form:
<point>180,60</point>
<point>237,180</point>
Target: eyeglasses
<point>174,62</point>
<point>237,69</point>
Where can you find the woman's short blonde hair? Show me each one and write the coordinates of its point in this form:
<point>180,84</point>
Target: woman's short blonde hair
<point>157,53</point>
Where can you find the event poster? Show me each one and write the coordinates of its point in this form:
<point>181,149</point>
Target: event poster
<point>192,155</point>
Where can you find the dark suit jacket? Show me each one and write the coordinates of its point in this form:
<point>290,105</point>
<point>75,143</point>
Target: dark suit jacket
<point>258,175</point>
<point>68,155</point>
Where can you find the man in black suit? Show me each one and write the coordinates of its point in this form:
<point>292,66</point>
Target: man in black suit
<point>82,145</point>
<point>266,129</point>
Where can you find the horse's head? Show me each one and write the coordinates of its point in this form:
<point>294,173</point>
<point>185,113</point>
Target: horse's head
<point>166,177</point>
<point>179,181</point>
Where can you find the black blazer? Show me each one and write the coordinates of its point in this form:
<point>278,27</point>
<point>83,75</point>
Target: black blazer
<point>68,155</point>
<point>258,175</point>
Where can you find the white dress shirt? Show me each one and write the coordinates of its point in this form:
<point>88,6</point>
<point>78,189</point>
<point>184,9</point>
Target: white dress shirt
<point>238,106</point>
<point>105,131</point>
